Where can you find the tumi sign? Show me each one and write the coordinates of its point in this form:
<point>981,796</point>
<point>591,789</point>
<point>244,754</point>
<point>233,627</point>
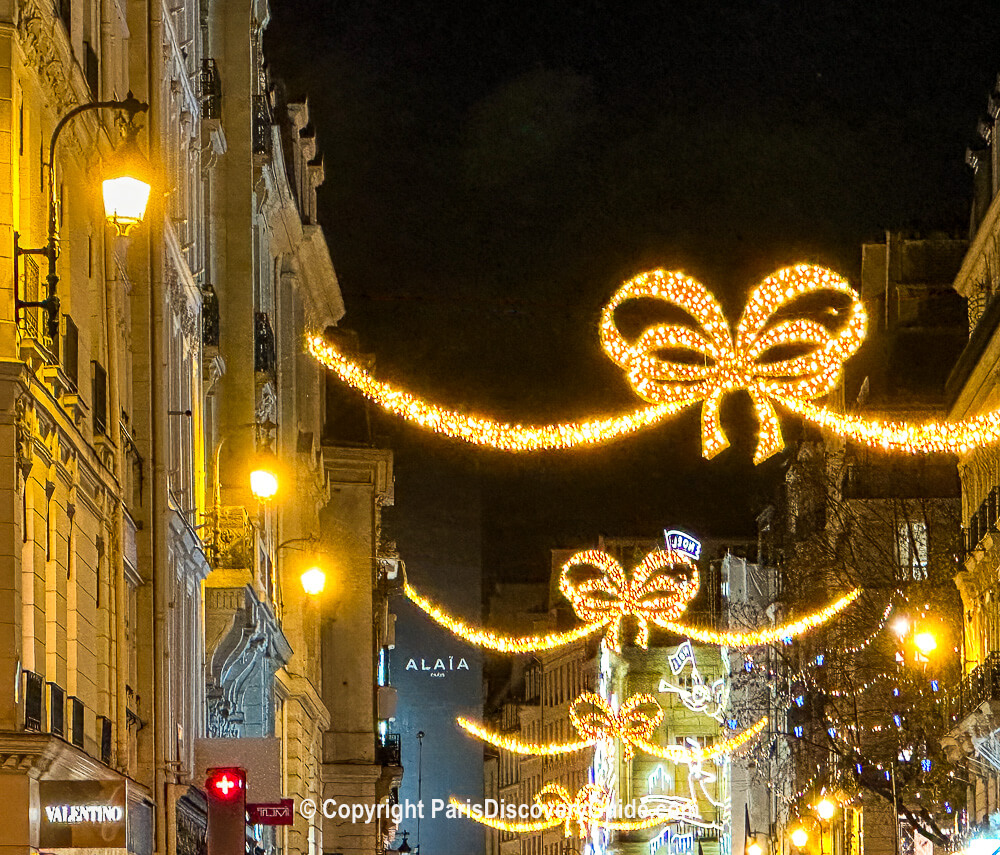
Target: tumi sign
<point>82,814</point>
<point>280,813</point>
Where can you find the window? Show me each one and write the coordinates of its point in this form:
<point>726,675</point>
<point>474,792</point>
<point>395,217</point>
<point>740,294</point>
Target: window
<point>911,542</point>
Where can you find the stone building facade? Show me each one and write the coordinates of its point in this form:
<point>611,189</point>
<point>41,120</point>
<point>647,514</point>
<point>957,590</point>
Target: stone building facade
<point>975,737</point>
<point>151,601</point>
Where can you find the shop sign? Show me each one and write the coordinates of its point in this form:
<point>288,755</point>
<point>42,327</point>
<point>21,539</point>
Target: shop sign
<point>280,813</point>
<point>82,814</point>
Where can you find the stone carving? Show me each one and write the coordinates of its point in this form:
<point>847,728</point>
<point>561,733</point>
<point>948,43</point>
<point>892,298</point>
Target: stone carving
<point>267,402</point>
<point>25,428</point>
<point>244,647</point>
<point>233,539</point>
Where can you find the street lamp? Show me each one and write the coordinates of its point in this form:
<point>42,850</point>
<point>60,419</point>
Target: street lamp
<point>825,809</point>
<point>126,192</point>
<point>313,581</point>
<point>126,185</point>
<point>925,642</point>
<point>264,477</point>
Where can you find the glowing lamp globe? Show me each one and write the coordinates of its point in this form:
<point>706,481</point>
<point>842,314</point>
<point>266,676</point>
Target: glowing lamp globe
<point>264,482</point>
<point>755,848</point>
<point>925,642</point>
<point>800,837</point>
<point>826,809</point>
<point>313,581</point>
<point>126,187</point>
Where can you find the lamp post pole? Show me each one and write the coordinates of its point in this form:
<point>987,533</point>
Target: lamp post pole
<point>50,304</point>
<point>420,782</point>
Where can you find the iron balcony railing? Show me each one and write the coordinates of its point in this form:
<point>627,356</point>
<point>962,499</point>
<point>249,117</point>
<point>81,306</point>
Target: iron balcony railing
<point>983,521</point>
<point>390,750</point>
<point>980,685</point>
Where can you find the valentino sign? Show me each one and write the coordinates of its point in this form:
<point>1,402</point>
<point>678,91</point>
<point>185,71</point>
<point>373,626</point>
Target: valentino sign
<point>440,666</point>
<point>82,814</point>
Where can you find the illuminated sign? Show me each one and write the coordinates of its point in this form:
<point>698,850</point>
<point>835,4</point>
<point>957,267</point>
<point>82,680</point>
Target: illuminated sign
<point>226,784</point>
<point>82,814</point>
<point>440,667</point>
<point>681,542</point>
<point>280,813</point>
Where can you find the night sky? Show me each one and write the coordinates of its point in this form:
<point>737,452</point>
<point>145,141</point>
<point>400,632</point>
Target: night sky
<point>495,170</point>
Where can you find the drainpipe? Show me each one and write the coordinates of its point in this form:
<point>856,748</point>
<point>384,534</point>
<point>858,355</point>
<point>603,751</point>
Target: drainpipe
<point>159,447</point>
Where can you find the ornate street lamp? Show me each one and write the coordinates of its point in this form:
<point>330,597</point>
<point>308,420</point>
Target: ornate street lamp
<point>126,192</point>
<point>313,581</point>
<point>264,477</point>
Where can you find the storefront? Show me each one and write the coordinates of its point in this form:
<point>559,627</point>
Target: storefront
<point>57,799</point>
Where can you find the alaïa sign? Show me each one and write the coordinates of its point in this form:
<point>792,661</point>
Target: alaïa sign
<point>439,667</point>
<point>82,814</point>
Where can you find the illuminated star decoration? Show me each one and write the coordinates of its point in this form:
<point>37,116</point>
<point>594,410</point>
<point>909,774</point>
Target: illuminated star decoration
<point>650,595</point>
<point>596,721</point>
<point>715,362</point>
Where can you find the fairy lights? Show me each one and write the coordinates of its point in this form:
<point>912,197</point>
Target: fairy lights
<point>769,635</point>
<point>496,641</point>
<point>716,363</point>
<point>604,599</point>
<point>596,721</point>
<point>481,430</point>
<point>673,366</point>
<point>649,594</point>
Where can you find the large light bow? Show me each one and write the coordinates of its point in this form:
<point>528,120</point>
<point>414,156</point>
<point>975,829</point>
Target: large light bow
<point>650,593</point>
<point>595,720</point>
<point>723,363</point>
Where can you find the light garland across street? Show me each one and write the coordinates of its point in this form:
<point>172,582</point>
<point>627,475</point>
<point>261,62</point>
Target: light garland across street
<point>596,721</point>
<point>613,614</point>
<point>677,365</point>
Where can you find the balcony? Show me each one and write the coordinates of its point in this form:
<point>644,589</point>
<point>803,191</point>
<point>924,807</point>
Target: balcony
<point>211,90</point>
<point>264,345</point>
<point>979,687</point>
<point>972,715</point>
<point>389,751</point>
<point>982,523</point>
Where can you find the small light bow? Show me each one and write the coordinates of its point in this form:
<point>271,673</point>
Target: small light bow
<point>595,720</point>
<point>718,363</point>
<point>649,594</point>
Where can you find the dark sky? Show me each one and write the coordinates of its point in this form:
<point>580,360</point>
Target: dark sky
<point>495,170</point>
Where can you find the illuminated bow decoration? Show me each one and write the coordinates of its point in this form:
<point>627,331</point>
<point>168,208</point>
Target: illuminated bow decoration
<point>648,595</point>
<point>717,363</point>
<point>631,724</point>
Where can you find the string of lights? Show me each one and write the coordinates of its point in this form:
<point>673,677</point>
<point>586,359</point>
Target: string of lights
<point>496,641</point>
<point>766,635</point>
<point>482,430</point>
<point>649,594</point>
<point>674,366</point>
<point>726,746</point>
<point>596,721</point>
<point>884,435</point>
